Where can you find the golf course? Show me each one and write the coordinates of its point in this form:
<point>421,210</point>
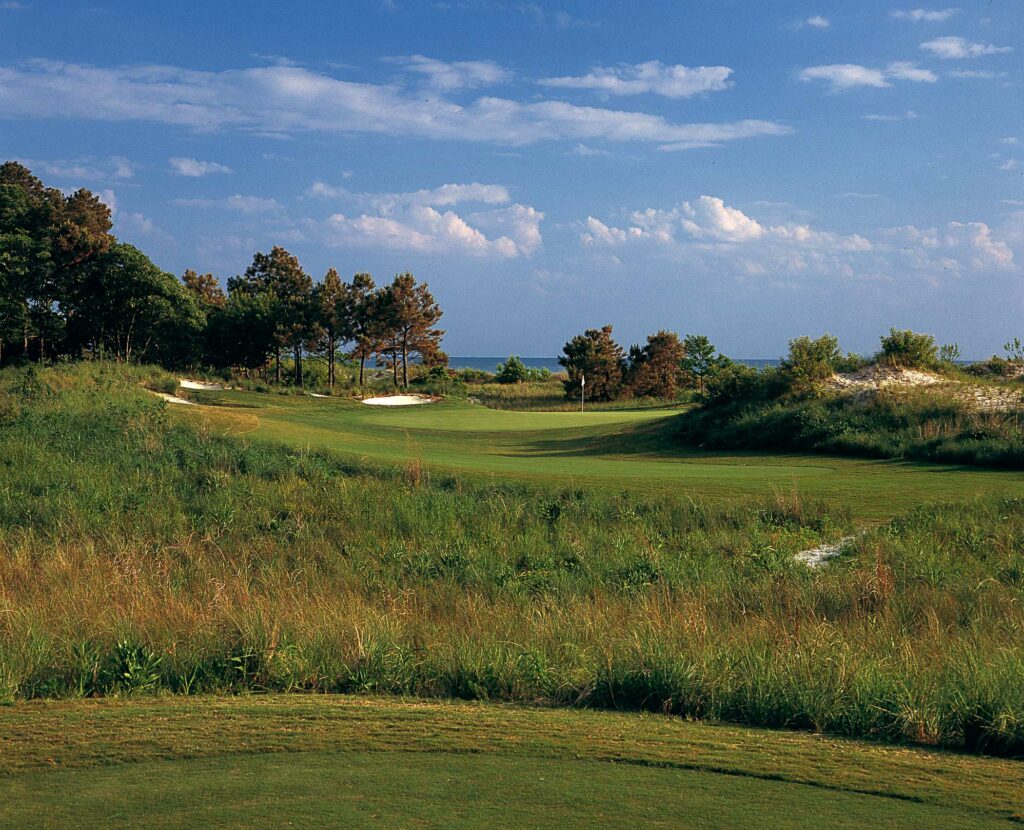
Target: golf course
<point>612,450</point>
<point>246,608</point>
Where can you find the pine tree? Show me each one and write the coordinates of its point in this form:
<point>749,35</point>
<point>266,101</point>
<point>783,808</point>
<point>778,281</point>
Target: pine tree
<point>597,357</point>
<point>408,314</point>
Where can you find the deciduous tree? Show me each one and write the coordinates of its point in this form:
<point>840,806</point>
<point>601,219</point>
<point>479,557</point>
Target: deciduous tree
<point>699,359</point>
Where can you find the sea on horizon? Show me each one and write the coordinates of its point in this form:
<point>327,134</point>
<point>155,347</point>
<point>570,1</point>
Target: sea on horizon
<point>490,364</point>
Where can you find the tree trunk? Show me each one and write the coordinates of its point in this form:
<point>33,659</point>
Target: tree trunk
<point>330,362</point>
<point>298,365</point>
<point>394,367</point>
<point>277,361</point>
<point>405,367</point>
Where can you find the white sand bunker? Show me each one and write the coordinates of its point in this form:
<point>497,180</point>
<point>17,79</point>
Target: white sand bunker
<point>820,555</point>
<point>172,398</point>
<point>399,400</point>
<point>198,384</point>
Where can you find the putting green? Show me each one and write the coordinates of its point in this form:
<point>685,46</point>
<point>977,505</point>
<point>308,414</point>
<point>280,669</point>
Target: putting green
<point>621,449</point>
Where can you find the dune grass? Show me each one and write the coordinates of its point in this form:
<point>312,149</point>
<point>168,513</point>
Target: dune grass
<point>141,553</point>
<point>931,424</point>
<point>259,761</point>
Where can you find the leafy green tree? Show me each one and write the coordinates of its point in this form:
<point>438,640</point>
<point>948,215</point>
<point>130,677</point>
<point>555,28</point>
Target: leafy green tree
<point>129,308</point>
<point>699,360</point>
<point>810,360</point>
<point>407,314</point>
<point>45,237</point>
<point>512,370</point>
<point>597,358</point>
<point>908,349</point>
<point>654,369</point>
<point>243,332</point>
<point>280,274</point>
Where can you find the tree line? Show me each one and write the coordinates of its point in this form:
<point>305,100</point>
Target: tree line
<point>69,288</point>
<point>658,369</point>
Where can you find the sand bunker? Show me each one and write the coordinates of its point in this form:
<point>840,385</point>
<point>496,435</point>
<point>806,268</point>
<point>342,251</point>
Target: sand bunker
<point>820,555</point>
<point>398,400</point>
<point>198,384</point>
<point>172,398</point>
<point>873,378</point>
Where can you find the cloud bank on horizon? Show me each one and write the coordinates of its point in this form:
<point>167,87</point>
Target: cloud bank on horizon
<point>754,173</point>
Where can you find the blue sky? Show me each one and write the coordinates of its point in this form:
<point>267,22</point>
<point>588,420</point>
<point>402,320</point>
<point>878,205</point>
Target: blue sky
<point>749,170</point>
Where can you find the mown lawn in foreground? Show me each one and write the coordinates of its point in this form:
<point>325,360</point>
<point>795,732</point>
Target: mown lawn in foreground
<point>269,760</point>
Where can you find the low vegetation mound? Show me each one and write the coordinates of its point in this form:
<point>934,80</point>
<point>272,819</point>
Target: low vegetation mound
<point>908,403</point>
<point>139,554</point>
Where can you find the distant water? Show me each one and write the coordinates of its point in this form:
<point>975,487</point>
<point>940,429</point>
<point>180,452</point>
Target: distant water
<point>490,364</point>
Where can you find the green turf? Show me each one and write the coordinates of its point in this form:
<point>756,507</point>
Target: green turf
<point>396,789</point>
<point>625,449</point>
<point>382,762</point>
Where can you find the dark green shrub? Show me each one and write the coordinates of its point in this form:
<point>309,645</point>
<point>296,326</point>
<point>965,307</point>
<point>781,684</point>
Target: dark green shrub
<point>810,360</point>
<point>512,370</point>
<point>909,350</point>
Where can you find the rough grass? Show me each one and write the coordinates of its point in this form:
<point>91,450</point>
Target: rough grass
<point>928,425</point>
<point>140,554</point>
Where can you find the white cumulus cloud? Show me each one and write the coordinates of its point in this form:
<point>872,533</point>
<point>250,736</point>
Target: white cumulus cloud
<point>452,75</point>
<point>676,81</point>
<point>195,168</point>
<point>417,221</point>
<point>953,48</point>
<point>842,76</point>
<point>924,15</point>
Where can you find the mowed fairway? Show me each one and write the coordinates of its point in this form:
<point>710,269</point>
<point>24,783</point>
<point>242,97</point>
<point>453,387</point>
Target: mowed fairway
<point>621,449</point>
<point>372,762</point>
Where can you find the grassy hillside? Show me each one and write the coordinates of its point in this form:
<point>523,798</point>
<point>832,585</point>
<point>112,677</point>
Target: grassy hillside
<point>265,761</point>
<point>140,552</point>
<point>931,424</point>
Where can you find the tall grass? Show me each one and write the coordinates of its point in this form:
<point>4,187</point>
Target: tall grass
<point>139,555</point>
<point>924,424</point>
